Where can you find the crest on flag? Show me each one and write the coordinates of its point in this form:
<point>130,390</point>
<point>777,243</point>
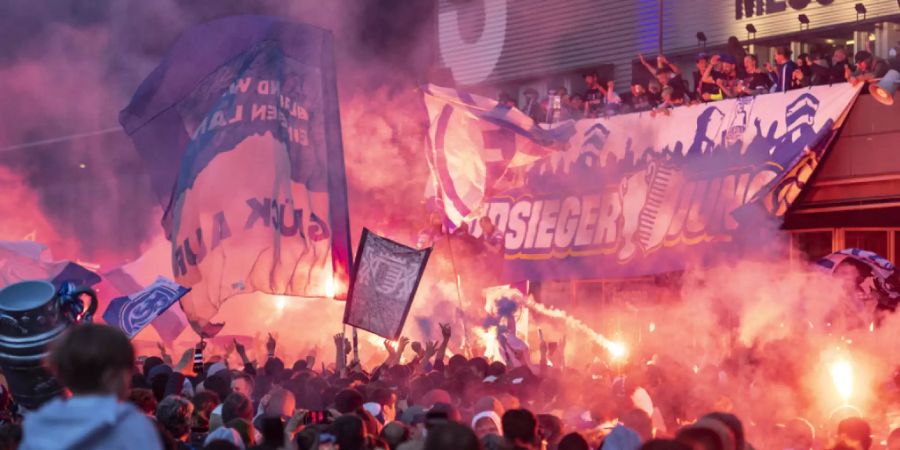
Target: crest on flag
<point>135,311</point>
<point>385,281</point>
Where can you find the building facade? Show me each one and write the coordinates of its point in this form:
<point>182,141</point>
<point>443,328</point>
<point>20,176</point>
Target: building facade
<point>853,200</point>
<point>509,44</point>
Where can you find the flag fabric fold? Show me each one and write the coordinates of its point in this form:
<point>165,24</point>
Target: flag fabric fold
<point>240,130</point>
<point>473,142</point>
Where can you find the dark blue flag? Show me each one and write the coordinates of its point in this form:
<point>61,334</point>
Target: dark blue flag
<point>240,130</point>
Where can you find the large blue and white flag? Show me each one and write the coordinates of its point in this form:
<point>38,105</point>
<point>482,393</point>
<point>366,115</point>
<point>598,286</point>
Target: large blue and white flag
<point>240,130</point>
<point>134,312</point>
<point>633,194</point>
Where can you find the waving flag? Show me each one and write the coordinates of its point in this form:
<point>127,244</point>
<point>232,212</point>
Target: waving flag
<point>29,260</point>
<point>135,311</point>
<point>384,284</point>
<point>473,142</point>
<point>170,323</point>
<point>240,125</point>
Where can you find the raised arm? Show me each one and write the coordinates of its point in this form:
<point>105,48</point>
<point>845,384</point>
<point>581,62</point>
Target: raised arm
<point>661,59</point>
<point>340,362</point>
<point>706,78</point>
<point>430,350</point>
<point>442,349</point>
<point>163,353</point>
<point>401,347</point>
<point>650,68</point>
<point>249,366</point>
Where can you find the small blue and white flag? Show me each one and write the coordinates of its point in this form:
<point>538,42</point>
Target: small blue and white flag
<point>135,311</point>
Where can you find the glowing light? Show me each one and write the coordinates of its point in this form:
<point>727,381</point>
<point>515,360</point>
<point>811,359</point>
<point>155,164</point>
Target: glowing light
<point>488,340</point>
<point>329,286</point>
<point>617,350</point>
<point>696,369</point>
<point>652,327</point>
<point>280,302</point>
<point>842,376</point>
<point>871,327</point>
<point>82,166</point>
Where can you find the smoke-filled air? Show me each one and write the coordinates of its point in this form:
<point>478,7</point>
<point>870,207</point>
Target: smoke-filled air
<point>435,230</point>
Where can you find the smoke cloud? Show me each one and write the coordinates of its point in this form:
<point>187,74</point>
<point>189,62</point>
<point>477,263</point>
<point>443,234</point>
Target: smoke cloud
<point>754,336</point>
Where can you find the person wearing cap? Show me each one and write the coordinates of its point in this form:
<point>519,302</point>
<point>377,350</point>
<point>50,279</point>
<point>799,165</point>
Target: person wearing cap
<point>868,68</point>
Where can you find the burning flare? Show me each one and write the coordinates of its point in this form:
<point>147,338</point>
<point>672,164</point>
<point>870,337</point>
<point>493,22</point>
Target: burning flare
<point>617,350</point>
<point>329,286</point>
<point>842,376</point>
<point>488,339</point>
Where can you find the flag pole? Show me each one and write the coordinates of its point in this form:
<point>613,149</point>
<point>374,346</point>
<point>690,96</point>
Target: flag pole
<point>466,347</point>
<point>355,346</point>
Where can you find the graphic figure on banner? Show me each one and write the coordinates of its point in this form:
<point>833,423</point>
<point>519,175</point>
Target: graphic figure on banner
<point>626,195</point>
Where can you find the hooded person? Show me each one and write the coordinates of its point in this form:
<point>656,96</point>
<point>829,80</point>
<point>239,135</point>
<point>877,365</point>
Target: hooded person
<point>707,434</point>
<point>621,438</point>
<point>94,362</point>
<point>487,422</point>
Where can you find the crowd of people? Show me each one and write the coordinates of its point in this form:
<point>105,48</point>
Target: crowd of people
<point>413,400</point>
<point>729,74</point>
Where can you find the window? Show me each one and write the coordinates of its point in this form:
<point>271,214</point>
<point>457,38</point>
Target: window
<point>871,240</point>
<point>896,248</point>
<point>813,244</point>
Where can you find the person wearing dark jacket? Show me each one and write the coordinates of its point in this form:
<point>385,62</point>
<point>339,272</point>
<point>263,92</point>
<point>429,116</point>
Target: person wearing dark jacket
<point>785,68</point>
